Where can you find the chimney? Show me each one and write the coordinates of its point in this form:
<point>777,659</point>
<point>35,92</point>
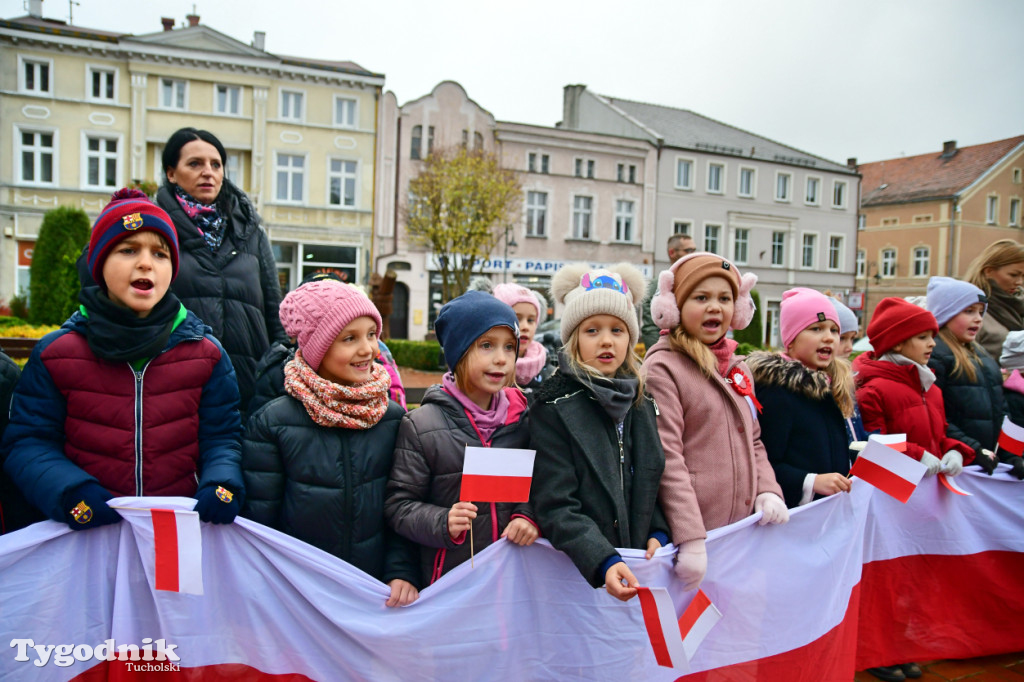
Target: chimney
<point>259,39</point>
<point>168,23</point>
<point>35,9</point>
<point>851,163</point>
<point>571,106</point>
<point>948,149</point>
<point>193,19</point>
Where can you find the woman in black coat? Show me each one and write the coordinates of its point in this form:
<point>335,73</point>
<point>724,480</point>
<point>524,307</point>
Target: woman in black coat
<point>227,274</point>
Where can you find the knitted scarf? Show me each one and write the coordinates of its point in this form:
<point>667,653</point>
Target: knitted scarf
<point>206,217</point>
<point>723,350</point>
<point>615,395</point>
<point>117,334</point>
<point>532,362</point>
<point>329,404</point>
<point>924,372</point>
<point>1007,309</point>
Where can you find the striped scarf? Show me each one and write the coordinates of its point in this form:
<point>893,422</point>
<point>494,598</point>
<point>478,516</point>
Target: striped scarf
<point>330,404</point>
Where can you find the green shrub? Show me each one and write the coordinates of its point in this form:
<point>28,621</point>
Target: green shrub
<point>753,334</point>
<point>421,355</point>
<point>19,305</point>
<point>745,348</point>
<point>54,285</point>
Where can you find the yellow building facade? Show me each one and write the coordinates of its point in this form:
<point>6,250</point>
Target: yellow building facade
<point>88,111</point>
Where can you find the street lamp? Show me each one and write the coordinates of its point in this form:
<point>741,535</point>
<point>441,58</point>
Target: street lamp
<point>510,243</point>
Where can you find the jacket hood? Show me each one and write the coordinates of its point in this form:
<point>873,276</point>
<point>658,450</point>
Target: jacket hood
<point>771,369</point>
<point>869,368</point>
<point>557,386</point>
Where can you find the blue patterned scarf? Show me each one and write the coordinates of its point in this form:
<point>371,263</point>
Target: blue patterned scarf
<point>206,218</point>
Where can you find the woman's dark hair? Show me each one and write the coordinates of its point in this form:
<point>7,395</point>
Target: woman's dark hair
<point>172,151</point>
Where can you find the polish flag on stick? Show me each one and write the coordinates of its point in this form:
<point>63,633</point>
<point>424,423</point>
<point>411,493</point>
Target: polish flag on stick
<point>1011,438</point>
<point>675,642</point>
<point>497,475</point>
<point>888,470</point>
<point>896,441</point>
<point>179,551</point>
<point>696,622</point>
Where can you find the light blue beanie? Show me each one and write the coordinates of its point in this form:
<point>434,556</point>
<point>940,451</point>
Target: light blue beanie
<point>848,321</point>
<point>948,297</point>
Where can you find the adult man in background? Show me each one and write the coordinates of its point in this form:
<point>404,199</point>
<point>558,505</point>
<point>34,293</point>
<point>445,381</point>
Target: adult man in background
<point>678,245</point>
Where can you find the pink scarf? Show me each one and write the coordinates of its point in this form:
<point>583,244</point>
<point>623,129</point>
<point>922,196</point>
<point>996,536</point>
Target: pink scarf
<point>530,365</point>
<point>487,421</point>
<point>330,404</point>
<point>723,350</point>
<point>1015,382</point>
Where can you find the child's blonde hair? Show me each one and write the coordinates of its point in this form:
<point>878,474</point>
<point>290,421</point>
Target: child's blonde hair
<point>696,350</point>
<point>965,355</point>
<point>630,366</point>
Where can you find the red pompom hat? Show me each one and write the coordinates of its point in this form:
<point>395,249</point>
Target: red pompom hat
<point>128,212</point>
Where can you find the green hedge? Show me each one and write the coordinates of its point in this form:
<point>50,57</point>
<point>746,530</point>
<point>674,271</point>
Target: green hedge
<point>746,349</point>
<point>54,276</point>
<point>421,355</point>
<point>752,335</point>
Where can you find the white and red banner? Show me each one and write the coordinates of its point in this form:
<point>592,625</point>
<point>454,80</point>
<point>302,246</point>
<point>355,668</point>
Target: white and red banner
<point>852,581</point>
<point>496,475</point>
<point>177,544</point>
<point>1011,438</point>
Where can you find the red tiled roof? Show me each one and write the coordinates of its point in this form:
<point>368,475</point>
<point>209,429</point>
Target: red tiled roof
<point>929,176</point>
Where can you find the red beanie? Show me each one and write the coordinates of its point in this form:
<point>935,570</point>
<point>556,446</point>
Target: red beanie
<point>895,321</point>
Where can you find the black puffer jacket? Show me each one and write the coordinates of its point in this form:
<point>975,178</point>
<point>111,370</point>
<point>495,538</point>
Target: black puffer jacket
<point>236,290</point>
<point>325,486</point>
<point>427,476</point>
<point>974,411</point>
<point>15,511</point>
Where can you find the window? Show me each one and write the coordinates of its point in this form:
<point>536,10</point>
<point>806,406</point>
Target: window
<point>684,174</point>
<point>715,173</point>
<point>172,93</point>
<point>1014,212</point>
<point>581,210</point>
<point>417,142</point>
<point>537,163</point>
<point>346,112</point>
<point>862,221</point>
<point>577,165</point>
<point>747,180</point>
<point>991,210</point>
<point>624,220</point>
<point>839,194</point>
<point>341,260</point>
<point>465,138</point>
<point>36,156</point>
<point>290,171</point>
<point>778,249</point>
<point>101,84</point>
<point>536,214</point>
<point>583,168</point>
<point>430,140</point>
<point>862,262</point>
<point>807,256</point>
<point>739,246</point>
<point>682,227</point>
<point>34,75</point>
<point>229,100</point>
<point>888,263</point>
<point>590,168</point>
<point>782,182</point>
<point>812,198</point>
<point>889,222</point>
<point>291,105</point>
<point>478,141</point>
<point>101,162</point>
<point>341,183</point>
<point>711,233</point>
<point>922,261</point>
<point>624,173</point>
<point>835,252</point>
<point>1016,176</point>
<point>233,168</point>
<point>923,218</point>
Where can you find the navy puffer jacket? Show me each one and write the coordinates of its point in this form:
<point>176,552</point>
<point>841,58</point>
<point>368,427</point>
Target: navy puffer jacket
<point>974,410</point>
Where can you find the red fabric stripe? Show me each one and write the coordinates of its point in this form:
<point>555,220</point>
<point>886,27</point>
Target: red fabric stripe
<point>476,488</point>
<point>165,542</point>
<point>693,612</point>
<point>830,657</point>
<point>926,607</point>
<point>883,479</point>
<point>653,625</point>
<point>1010,444</point>
<point>117,671</point>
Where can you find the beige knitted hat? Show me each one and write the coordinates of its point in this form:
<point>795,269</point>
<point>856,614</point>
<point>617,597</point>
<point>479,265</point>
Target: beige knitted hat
<point>586,291</point>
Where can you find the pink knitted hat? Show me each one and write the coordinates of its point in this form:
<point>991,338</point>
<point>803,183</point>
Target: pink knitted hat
<point>676,283</point>
<point>315,313</point>
<point>800,308</point>
<point>515,293</point>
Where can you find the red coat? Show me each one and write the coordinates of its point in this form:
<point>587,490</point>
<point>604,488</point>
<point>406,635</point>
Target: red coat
<point>891,400</point>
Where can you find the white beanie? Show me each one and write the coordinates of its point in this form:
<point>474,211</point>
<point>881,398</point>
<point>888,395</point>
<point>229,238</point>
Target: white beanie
<point>614,291</point>
<point>1013,351</point>
<point>948,297</point>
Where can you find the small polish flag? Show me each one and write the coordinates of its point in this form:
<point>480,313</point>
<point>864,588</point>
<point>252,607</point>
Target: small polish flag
<point>662,628</point>
<point>890,471</point>
<point>697,620</point>
<point>896,441</point>
<point>497,475</point>
<point>950,484</point>
<point>179,551</point>
<point>1011,438</point>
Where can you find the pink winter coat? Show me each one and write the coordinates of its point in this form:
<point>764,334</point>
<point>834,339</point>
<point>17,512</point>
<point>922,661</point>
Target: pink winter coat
<point>715,464</point>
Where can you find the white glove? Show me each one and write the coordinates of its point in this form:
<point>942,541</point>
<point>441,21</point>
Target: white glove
<point>952,463</point>
<point>774,508</point>
<point>858,445</point>
<point>691,564</point>
<point>932,462</point>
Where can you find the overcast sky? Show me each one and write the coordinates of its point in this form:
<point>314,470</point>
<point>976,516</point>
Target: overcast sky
<point>873,79</point>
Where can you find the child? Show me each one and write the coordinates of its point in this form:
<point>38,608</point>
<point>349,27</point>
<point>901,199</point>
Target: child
<point>531,367</point>
<point>1012,361</point>
<point>599,460</point>
<point>132,395</point>
<point>316,461</point>
<point>476,405</point>
<point>716,469</point>
<point>970,381</point>
<point>896,390</point>
<point>15,510</point>
<point>807,393</point>
<point>849,326</point>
